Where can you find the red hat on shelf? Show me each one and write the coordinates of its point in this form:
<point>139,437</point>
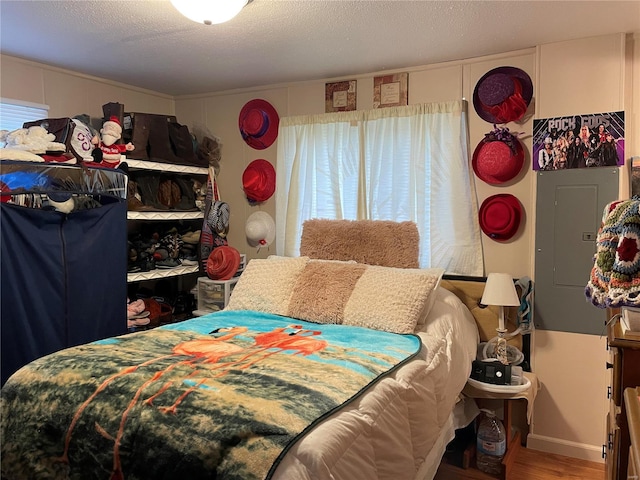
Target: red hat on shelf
<point>258,122</point>
<point>500,216</point>
<point>223,263</point>
<point>259,181</point>
<point>503,95</point>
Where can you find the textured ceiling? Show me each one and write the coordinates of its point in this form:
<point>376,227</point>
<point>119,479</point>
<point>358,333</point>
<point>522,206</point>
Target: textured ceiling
<point>149,44</point>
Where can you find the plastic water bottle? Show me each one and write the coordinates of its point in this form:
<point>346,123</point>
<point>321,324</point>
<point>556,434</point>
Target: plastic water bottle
<point>491,444</point>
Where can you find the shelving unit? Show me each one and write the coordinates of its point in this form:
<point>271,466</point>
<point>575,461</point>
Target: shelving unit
<point>165,167</point>
<point>166,216</point>
<point>169,215</point>
<point>162,273</point>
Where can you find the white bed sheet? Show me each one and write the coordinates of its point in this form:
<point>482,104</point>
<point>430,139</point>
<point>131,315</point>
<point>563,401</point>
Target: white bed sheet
<point>399,428</point>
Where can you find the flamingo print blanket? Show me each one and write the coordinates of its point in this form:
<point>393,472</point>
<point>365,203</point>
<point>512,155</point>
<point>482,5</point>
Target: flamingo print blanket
<point>221,396</point>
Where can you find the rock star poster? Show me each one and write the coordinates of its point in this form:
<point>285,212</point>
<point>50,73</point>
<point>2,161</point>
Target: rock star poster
<point>578,141</point>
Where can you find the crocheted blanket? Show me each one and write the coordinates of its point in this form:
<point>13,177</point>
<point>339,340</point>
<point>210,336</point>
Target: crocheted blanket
<point>615,276</point>
<point>220,396</point>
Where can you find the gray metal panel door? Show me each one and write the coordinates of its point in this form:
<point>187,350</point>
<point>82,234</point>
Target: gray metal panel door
<point>569,210</point>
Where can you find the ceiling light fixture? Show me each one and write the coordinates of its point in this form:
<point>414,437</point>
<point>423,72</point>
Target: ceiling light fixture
<point>210,12</point>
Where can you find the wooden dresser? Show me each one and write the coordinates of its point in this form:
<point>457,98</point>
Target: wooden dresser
<point>632,409</point>
<point>624,363</point>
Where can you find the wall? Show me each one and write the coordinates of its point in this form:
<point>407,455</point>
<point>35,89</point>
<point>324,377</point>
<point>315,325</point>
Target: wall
<point>572,365</point>
<point>69,93</point>
<point>582,76</point>
<point>427,84</point>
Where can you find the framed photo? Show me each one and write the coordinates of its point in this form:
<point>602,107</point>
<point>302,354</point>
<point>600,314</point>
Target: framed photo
<point>340,96</point>
<point>390,90</point>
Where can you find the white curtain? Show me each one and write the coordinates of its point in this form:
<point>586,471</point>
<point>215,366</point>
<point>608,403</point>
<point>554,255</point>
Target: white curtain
<point>397,163</point>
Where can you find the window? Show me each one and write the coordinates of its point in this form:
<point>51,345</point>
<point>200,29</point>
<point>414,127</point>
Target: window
<point>398,163</point>
<point>14,113</point>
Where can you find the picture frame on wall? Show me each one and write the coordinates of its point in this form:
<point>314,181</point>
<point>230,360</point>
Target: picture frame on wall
<point>340,96</point>
<point>391,90</point>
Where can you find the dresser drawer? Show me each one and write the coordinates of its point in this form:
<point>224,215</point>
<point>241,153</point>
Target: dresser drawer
<point>632,409</point>
<point>613,442</point>
<point>615,393</point>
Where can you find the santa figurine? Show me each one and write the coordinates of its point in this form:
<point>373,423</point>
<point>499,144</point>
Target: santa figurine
<point>108,153</point>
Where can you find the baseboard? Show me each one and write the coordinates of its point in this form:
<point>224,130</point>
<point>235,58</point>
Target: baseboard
<point>591,453</point>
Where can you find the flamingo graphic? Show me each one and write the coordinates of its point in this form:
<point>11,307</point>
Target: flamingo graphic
<point>201,354</point>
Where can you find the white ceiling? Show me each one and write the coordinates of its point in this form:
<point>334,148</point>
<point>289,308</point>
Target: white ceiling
<point>149,44</point>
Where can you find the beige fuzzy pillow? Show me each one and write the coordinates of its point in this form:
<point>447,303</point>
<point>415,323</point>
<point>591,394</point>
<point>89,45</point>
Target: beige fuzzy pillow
<point>374,242</point>
<point>391,299</point>
<point>323,289</point>
<point>267,285</point>
<point>381,298</point>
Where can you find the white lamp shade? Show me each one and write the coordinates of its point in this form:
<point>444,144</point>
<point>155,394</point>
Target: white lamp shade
<point>500,290</point>
<point>209,12</point>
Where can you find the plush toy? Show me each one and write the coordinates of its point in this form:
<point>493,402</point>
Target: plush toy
<point>108,152</point>
<point>33,139</point>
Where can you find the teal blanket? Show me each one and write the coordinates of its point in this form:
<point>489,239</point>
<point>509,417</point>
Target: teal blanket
<point>221,396</point>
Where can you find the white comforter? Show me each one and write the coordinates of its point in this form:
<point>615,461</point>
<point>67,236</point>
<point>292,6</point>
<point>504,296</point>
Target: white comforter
<point>388,432</point>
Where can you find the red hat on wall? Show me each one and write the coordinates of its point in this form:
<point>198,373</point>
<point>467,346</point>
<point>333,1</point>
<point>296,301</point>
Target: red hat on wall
<point>259,181</point>
<point>500,216</point>
<point>258,122</point>
<point>503,95</point>
<point>498,159</point>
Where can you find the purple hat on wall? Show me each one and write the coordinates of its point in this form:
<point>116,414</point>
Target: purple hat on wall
<point>503,95</point>
<point>258,122</point>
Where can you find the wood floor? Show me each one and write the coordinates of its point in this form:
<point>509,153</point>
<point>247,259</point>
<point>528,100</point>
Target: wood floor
<point>536,465</point>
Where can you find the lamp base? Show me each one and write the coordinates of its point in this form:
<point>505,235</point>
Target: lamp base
<point>514,356</point>
<point>501,348</point>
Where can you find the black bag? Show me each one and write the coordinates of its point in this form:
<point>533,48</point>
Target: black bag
<point>160,138</point>
<point>182,145</point>
<point>62,128</point>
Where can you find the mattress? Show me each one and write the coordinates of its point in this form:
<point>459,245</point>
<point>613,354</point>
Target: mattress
<point>399,429</point>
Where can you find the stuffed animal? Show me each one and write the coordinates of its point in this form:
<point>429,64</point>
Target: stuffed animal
<point>108,152</point>
<point>33,139</point>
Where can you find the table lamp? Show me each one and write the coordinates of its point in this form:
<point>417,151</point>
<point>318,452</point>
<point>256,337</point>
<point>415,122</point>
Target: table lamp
<point>500,290</point>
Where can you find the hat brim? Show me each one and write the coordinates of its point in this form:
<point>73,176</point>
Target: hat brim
<point>500,216</point>
<point>482,170</point>
<point>525,82</point>
<point>266,140</point>
<point>262,167</point>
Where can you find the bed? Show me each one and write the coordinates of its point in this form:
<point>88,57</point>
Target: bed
<point>319,368</point>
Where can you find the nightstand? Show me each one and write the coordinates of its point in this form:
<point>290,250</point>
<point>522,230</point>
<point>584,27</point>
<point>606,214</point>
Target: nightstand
<point>509,395</point>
